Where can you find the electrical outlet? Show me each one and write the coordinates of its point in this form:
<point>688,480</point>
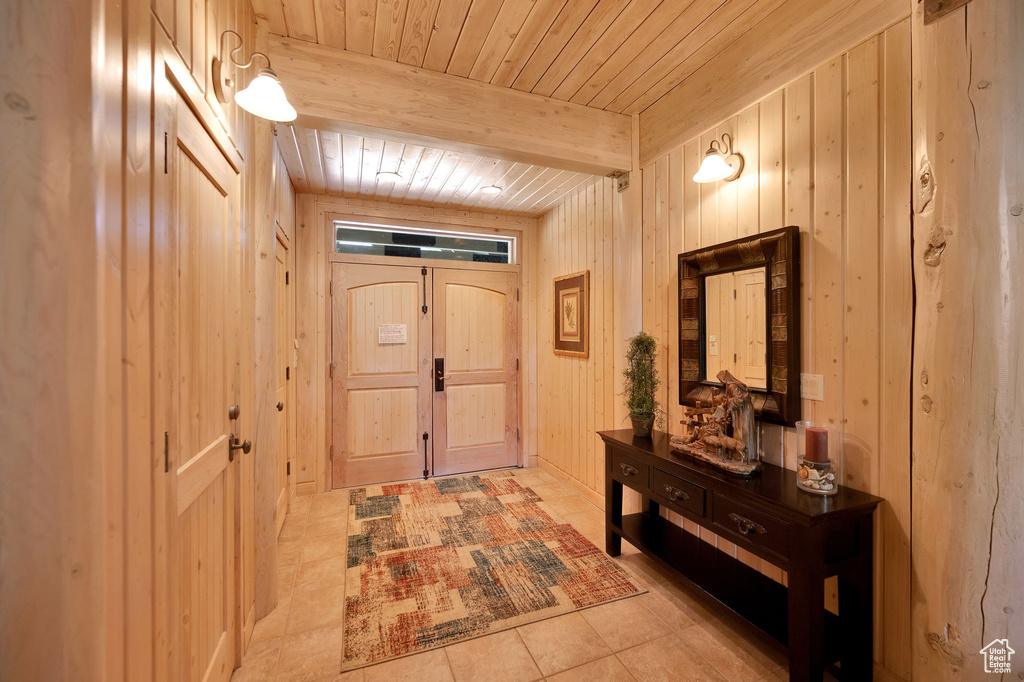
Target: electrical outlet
<point>812,387</point>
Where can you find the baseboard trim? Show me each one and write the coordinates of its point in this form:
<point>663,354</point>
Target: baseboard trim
<point>591,496</point>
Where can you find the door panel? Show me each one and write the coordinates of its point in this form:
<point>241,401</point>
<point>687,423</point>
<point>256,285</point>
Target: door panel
<point>197,246</point>
<point>381,386</point>
<point>751,328</point>
<point>476,415</point>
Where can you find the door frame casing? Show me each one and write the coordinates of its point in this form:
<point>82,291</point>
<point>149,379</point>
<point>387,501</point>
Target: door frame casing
<point>326,224</point>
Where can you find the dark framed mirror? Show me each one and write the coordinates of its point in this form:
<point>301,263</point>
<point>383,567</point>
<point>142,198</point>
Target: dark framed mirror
<point>739,310</point>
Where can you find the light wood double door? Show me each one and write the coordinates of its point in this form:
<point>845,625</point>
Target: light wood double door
<point>425,372</point>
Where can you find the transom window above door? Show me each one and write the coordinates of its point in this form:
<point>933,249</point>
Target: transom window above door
<point>380,240</point>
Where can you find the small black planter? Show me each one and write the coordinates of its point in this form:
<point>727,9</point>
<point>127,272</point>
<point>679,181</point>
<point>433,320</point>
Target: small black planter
<point>642,427</point>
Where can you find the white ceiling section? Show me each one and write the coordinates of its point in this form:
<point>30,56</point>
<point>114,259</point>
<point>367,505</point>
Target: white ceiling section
<point>347,165</point>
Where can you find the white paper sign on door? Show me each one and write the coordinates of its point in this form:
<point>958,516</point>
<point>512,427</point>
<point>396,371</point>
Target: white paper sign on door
<point>391,333</point>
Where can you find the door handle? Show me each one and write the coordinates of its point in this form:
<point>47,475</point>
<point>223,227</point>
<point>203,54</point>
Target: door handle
<point>280,406</point>
<point>439,376</point>
<point>233,444</point>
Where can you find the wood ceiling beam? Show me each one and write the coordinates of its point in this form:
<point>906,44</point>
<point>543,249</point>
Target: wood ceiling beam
<point>798,36</point>
<point>340,91</point>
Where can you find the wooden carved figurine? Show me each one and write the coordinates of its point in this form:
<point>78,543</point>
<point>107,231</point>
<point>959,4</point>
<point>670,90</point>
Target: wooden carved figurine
<point>723,434</point>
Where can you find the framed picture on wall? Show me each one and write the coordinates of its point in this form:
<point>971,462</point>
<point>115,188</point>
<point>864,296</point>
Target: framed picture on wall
<point>572,314</point>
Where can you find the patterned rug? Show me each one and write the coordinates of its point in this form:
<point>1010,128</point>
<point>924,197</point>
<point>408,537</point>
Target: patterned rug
<point>435,562</point>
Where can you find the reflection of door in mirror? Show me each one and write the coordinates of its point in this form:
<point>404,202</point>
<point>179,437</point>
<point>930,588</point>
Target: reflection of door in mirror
<point>735,326</point>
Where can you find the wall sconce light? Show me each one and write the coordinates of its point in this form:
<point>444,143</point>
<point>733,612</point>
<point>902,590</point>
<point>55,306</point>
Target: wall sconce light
<point>264,96</point>
<point>720,162</point>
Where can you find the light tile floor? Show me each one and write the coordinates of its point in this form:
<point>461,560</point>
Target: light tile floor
<point>670,633</point>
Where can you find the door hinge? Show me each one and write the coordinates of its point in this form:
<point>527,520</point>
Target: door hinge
<point>332,453</point>
<point>287,276</point>
<point>287,373</point>
<point>288,468</point>
<point>517,364</point>
<point>167,452</point>
<point>330,289</point>
<point>332,370</point>
<point>517,434</point>
<point>165,152</point>
<point>517,293</point>
<point>734,357</point>
<point>426,469</point>
<point>734,293</point>
<point>423,271</point>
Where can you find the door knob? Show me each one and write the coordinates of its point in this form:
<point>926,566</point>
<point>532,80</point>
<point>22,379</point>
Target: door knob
<point>280,406</point>
<point>233,444</point>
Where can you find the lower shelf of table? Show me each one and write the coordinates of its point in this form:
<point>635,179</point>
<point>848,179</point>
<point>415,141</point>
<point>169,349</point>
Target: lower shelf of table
<point>754,597</point>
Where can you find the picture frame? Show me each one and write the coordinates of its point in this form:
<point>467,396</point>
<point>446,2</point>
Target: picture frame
<point>572,315</point>
<point>778,253</point>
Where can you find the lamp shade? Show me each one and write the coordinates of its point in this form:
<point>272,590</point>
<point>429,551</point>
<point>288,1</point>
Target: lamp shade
<point>713,168</point>
<point>265,98</point>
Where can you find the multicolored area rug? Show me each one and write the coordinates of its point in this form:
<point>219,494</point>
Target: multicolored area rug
<point>435,562</point>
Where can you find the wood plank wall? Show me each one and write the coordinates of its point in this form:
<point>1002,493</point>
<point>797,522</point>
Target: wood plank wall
<point>576,396</point>
<point>81,592</point>
<point>829,152</point>
<point>312,282</point>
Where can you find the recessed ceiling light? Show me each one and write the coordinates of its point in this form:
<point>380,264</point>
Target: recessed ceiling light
<point>389,176</point>
<point>491,189</point>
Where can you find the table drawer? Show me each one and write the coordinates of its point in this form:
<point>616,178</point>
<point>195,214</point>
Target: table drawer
<point>677,493</point>
<point>630,470</point>
<point>749,527</point>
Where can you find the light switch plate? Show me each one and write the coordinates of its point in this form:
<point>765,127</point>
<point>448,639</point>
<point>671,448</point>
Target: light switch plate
<point>812,387</point>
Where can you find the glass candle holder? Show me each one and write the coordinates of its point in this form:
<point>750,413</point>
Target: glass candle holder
<point>816,471</point>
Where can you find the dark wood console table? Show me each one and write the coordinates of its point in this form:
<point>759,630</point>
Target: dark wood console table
<point>810,537</point>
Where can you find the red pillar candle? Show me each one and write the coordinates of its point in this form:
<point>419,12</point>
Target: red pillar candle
<point>817,444</point>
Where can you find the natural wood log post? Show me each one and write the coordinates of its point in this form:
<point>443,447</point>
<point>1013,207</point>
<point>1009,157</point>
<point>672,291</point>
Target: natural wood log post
<point>968,428</point>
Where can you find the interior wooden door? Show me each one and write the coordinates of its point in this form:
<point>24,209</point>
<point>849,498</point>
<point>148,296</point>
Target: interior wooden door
<point>282,352</point>
<point>381,369</point>
<point>476,404</point>
<point>196,250</point>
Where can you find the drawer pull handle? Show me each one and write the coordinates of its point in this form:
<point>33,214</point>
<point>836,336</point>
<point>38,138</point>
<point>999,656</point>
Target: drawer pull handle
<point>675,494</point>
<point>628,470</point>
<point>746,526</point>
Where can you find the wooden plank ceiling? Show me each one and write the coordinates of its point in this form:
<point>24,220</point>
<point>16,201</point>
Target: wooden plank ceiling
<point>617,55</point>
<point>347,165</point>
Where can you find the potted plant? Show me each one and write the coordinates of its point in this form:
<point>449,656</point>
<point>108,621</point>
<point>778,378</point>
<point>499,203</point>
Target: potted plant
<point>642,384</point>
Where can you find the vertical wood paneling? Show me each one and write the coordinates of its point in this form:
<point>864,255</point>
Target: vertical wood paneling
<point>574,395</point>
<point>828,153</point>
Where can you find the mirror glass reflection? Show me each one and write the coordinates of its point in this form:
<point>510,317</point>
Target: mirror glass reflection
<point>735,326</point>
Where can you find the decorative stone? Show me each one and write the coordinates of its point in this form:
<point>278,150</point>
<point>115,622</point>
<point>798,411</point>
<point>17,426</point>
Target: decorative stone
<point>830,477</point>
<point>815,486</point>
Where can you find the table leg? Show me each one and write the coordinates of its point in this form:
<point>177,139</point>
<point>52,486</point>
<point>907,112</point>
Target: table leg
<point>613,516</point>
<point>806,614</point>
<point>856,602</point>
